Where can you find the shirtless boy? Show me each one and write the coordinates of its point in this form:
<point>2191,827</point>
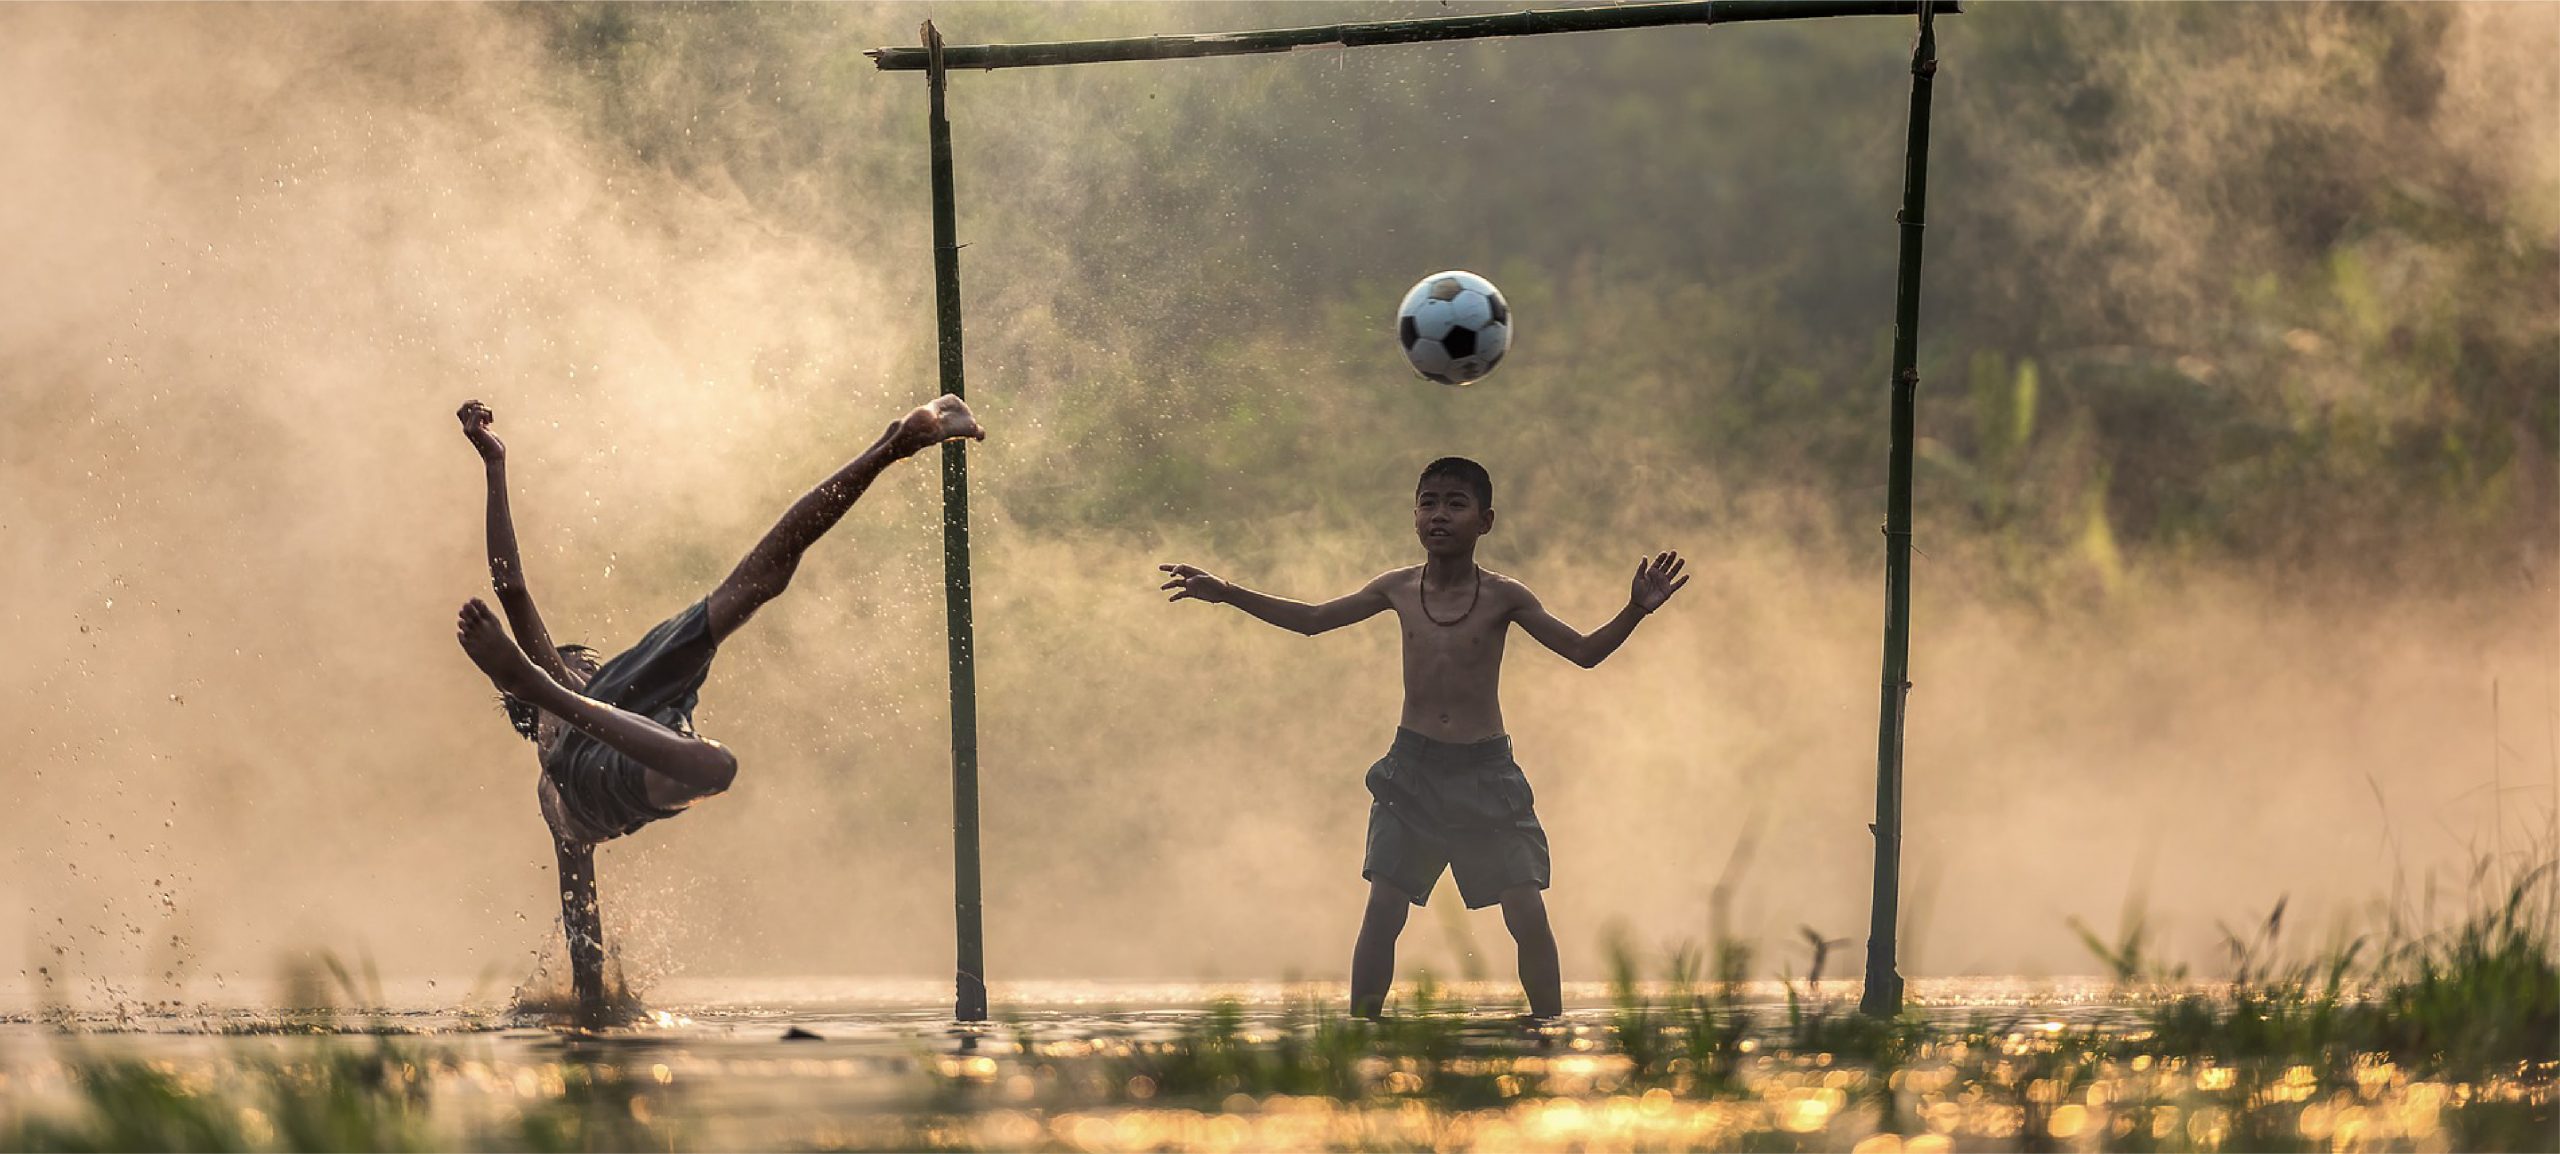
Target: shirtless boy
<point>615,738</point>
<point>1448,794</point>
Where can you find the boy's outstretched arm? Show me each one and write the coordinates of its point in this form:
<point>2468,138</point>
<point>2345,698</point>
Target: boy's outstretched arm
<point>1295,616</point>
<point>1657,578</point>
<point>506,567</point>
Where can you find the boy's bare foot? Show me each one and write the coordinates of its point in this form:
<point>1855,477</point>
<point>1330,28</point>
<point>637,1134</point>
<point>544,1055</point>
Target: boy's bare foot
<point>497,654</point>
<point>946,419</point>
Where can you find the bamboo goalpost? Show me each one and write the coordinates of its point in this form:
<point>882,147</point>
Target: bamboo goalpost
<point>1883,991</point>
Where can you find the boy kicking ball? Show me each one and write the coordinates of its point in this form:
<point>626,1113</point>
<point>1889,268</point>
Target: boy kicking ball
<point>1448,796</point>
<point>615,738</point>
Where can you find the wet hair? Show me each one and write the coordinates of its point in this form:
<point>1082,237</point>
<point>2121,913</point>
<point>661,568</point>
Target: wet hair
<point>1463,471</point>
<point>522,715</point>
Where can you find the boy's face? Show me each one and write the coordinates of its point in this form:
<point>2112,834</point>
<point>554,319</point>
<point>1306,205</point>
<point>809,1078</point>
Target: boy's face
<point>1448,518</point>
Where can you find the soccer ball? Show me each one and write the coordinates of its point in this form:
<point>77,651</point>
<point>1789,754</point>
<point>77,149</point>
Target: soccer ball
<point>1454,327</point>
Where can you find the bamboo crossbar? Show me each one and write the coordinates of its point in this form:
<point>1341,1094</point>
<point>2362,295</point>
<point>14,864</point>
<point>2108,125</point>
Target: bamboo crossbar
<point>1593,19</point>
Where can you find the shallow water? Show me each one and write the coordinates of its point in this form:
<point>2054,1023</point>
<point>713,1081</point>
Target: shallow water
<point>884,1067</point>
<point>905,1014</point>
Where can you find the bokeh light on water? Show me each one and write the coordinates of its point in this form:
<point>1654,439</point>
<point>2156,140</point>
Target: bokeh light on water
<point>1261,1067</point>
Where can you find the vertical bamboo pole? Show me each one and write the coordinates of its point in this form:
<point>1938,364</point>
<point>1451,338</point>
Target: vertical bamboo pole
<point>582,921</point>
<point>970,1002</point>
<point>1883,994</point>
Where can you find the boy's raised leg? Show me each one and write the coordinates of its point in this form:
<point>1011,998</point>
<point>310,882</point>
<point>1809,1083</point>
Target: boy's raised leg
<point>1373,958</point>
<point>766,570</point>
<point>1524,912</point>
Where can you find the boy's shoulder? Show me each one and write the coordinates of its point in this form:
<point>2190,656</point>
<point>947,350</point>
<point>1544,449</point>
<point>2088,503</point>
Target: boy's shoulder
<point>1510,595</point>
<point>1394,579</point>
<point>1503,591</point>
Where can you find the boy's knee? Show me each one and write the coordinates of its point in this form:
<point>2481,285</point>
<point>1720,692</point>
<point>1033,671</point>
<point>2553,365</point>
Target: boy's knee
<point>748,589</point>
<point>1387,904</point>
<point>721,768</point>
<point>1524,912</point>
<point>773,584</point>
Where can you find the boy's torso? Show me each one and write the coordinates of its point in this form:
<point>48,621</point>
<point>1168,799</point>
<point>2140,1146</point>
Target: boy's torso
<point>1453,672</point>
<point>563,824</point>
<point>639,793</point>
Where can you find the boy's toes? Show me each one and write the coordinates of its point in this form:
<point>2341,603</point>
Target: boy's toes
<point>947,418</point>
<point>952,420</point>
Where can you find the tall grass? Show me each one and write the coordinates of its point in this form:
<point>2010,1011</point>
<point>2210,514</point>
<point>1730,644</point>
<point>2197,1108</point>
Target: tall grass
<point>2475,998</point>
<point>337,1080</point>
<point>2452,1032</point>
<point>346,1093</point>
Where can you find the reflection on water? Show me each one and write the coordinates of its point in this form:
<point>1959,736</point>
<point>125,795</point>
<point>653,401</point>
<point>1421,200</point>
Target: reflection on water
<point>900,1009</point>
<point>1125,1067</point>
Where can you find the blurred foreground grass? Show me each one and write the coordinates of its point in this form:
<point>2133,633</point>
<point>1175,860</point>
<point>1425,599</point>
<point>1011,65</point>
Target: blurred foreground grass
<point>2439,1040</point>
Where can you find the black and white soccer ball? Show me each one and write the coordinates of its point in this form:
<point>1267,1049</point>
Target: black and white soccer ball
<point>1454,327</point>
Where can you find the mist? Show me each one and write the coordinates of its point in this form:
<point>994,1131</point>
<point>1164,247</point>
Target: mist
<point>261,253</point>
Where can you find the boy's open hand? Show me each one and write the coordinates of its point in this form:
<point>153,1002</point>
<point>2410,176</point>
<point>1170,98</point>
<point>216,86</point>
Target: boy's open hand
<point>1196,584</point>
<point>476,419</point>
<point>1657,578</point>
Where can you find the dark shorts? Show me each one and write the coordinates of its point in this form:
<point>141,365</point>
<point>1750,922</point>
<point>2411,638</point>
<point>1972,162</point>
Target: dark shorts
<point>1463,808</point>
<point>602,791</point>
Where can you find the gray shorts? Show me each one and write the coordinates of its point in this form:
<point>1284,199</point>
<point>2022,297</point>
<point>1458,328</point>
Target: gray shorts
<point>603,792</point>
<point>1463,808</point>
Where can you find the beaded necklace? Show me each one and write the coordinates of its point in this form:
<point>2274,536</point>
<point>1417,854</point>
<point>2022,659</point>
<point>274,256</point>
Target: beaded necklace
<point>1423,597</point>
